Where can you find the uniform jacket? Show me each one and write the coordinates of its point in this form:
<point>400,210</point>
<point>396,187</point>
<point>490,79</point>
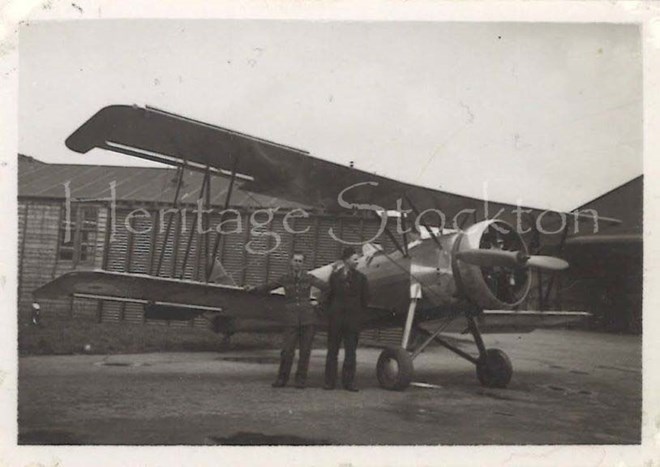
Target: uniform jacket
<point>347,298</point>
<point>297,288</point>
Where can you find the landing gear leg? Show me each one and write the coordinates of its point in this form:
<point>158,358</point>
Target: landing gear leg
<point>494,369</point>
<point>395,365</point>
<point>415,294</point>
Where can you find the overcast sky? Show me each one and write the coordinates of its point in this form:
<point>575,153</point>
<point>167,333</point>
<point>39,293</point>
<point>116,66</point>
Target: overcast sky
<point>547,113</point>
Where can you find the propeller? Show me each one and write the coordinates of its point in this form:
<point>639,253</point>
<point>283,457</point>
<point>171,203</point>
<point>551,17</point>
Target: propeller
<point>511,259</point>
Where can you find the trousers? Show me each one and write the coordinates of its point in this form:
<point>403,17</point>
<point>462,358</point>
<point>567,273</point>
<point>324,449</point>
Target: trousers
<point>293,335</point>
<point>336,334</point>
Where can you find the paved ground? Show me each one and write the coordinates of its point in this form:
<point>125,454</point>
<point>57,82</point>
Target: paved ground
<point>568,387</point>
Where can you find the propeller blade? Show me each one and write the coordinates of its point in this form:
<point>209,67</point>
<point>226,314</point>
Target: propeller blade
<point>490,258</point>
<point>547,262</point>
<point>510,259</point>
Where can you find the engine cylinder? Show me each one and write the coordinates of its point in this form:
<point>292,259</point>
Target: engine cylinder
<point>491,287</point>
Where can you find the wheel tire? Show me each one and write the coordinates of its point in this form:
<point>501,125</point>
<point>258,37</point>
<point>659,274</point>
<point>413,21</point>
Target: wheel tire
<point>394,369</point>
<point>495,370</point>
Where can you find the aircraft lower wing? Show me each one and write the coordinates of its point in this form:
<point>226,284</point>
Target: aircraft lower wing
<point>179,299</point>
<point>511,322</point>
<point>162,293</point>
<point>506,321</point>
<point>164,298</point>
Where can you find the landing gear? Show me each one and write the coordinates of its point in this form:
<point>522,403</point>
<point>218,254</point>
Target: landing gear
<point>394,369</point>
<point>494,370</point>
<point>395,364</point>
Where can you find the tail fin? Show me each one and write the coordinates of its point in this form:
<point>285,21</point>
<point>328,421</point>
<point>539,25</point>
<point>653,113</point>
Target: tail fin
<point>219,274</point>
<point>369,249</point>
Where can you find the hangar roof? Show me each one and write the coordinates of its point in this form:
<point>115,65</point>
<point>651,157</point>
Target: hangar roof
<point>37,179</point>
<point>624,202</point>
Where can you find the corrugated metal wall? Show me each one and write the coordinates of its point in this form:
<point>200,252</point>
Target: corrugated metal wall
<point>38,237</point>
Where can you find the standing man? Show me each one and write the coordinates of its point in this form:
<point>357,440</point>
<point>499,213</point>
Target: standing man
<point>347,300</point>
<point>300,318</point>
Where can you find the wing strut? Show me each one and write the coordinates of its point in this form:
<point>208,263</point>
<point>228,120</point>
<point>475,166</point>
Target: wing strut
<point>390,235</point>
<point>205,180</point>
<point>534,249</point>
<point>218,237</point>
<point>424,224</point>
<point>560,248</point>
<point>175,204</point>
<point>404,222</point>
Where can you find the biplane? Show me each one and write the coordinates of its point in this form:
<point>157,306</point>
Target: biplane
<point>471,278</point>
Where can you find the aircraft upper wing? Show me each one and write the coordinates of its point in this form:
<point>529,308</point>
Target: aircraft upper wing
<point>264,167</point>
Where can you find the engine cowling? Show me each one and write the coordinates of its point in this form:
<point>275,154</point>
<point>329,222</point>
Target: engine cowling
<point>491,287</point>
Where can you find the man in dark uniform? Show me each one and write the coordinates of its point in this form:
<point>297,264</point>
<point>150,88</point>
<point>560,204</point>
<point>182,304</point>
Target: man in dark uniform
<point>347,299</point>
<point>300,318</point>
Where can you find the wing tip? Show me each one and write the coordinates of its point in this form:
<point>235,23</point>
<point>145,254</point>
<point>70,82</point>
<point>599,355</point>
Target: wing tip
<point>91,133</point>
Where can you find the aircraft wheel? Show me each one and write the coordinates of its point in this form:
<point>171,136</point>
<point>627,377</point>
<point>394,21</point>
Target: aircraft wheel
<point>394,369</point>
<point>495,370</point>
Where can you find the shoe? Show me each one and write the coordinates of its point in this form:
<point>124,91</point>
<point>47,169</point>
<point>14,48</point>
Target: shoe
<point>351,388</point>
<point>300,385</point>
<point>279,383</point>
<point>328,387</point>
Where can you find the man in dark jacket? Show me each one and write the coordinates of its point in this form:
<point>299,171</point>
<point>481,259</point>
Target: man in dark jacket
<point>347,300</point>
<point>300,318</point>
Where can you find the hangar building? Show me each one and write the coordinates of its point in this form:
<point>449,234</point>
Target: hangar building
<point>54,196</point>
<point>606,273</point>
